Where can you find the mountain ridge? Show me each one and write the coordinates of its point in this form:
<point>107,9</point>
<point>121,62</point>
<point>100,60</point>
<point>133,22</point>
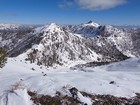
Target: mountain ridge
<point>63,45</point>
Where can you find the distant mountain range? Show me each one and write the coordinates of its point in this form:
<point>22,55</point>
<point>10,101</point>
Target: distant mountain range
<point>56,45</point>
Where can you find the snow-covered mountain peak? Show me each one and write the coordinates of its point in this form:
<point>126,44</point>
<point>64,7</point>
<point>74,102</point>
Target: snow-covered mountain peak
<point>53,27</point>
<point>88,29</point>
<point>60,47</point>
<point>91,23</point>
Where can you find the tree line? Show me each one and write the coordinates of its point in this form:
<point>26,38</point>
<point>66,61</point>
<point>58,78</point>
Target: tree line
<point>3,57</point>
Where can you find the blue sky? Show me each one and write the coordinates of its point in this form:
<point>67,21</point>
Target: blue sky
<point>70,11</point>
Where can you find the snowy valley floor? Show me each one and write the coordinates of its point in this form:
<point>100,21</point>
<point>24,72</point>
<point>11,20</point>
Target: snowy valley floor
<point>120,79</point>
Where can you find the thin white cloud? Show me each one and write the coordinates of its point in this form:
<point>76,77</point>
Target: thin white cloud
<point>92,4</point>
<point>99,4</point>
<point>66,3</point>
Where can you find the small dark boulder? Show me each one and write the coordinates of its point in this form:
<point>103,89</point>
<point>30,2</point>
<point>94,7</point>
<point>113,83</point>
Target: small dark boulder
<point>73,92</point>
<point>33,69</point>
<point>45,75</point>
<point>112,82</point>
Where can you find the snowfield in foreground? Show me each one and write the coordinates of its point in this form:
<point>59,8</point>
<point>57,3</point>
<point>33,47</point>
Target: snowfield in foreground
<point>124,75</point>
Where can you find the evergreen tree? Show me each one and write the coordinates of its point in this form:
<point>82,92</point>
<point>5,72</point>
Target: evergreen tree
<point>3,57</point>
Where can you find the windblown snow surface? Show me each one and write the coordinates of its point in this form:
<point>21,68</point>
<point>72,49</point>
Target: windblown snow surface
<point>18,76</point>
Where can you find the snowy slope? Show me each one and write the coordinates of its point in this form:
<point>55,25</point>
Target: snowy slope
<point>122,40</point>
<point>16,97</point>
<point>125,74</point>
<point>127,65</point>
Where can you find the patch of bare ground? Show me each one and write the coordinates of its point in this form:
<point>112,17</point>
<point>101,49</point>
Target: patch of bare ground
<point>60,99</point>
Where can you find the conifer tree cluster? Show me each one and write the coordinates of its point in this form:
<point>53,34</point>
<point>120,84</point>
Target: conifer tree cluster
<point>3,57</point>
